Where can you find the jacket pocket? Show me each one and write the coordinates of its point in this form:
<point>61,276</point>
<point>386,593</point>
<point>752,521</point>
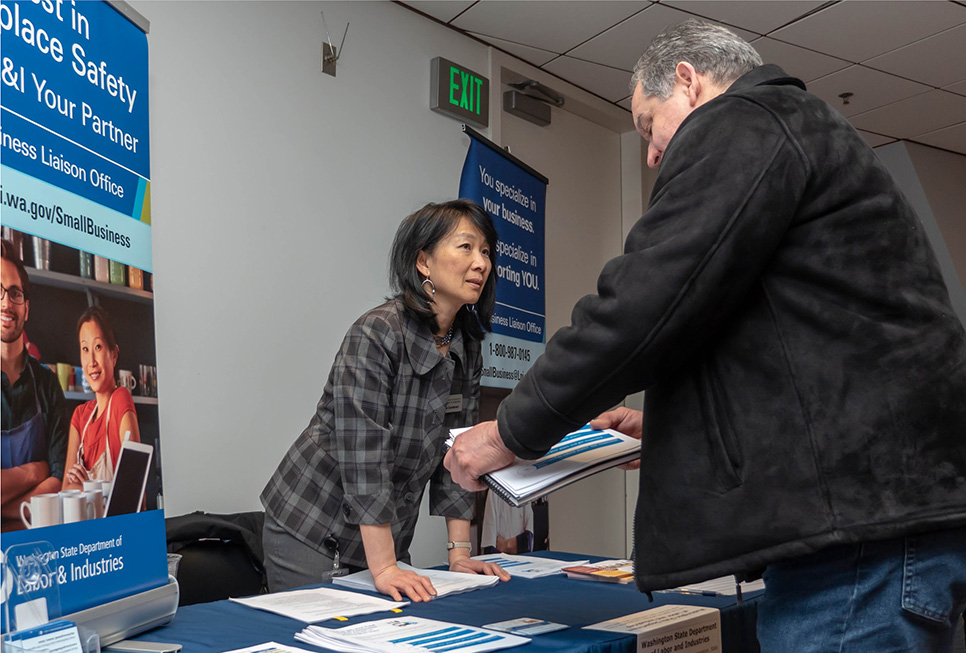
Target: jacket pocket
<point>723,445</point>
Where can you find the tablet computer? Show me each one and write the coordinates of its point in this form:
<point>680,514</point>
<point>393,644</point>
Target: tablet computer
<point>130,479</point>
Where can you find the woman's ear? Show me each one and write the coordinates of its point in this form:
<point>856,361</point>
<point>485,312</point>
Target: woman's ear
<point>422,263</point>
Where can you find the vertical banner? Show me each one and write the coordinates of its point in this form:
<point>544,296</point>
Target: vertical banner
<point>75,209</point>
<point>513,194</point>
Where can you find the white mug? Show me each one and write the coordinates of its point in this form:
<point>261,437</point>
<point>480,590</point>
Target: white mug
<point>44,510</point>
<point>78,507</point>
<point>96,499</point>
<point>126,378</point>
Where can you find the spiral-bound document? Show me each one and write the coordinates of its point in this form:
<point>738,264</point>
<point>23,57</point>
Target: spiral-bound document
<point>580,454</point>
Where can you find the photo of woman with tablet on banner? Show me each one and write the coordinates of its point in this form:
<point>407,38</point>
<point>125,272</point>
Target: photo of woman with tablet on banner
<point>98,427</point>
<point>346,496</point>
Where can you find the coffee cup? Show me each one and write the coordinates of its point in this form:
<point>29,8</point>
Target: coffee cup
<point>118,273</point>
<point>78,507</point>
<point>102,269</point>
<point>44,510</point>
<point>126,378</point>
<point>96,499</point>
<point>41,253</point>
<point>65,375</point>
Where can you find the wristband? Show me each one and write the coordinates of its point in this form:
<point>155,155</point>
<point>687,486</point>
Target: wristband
<point>457,545</point>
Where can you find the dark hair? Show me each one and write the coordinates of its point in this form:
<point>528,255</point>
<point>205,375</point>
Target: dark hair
<point>103,320</point>
<point>422,231</point>
<point>8,253</point>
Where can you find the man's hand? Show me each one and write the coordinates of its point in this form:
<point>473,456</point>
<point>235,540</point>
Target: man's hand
<point>476,452</point>
<point>627,421</point>
<point>395,582</point>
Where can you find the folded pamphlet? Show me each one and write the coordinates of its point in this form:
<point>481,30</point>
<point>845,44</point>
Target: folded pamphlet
<point>528,566</point>
<point>445,582</point>
<point>580,454</point>
<point>408,634</point>
<point>608,571</point>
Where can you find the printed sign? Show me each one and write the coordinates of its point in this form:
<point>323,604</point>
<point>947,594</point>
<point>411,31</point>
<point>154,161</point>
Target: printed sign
<point>514,197</point>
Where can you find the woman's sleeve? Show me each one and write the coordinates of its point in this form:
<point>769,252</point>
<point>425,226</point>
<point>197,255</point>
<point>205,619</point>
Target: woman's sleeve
<point>362,379</point>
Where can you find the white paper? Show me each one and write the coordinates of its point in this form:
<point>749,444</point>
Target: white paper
<point>408,635</point>
<point>529,566</point>
<point>445,582</point>
<point>582,453</point>
<point>270,647</point>
<point>319,604</point>
<point>724,586</point>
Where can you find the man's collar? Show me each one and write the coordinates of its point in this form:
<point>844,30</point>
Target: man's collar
<point>766,75</point>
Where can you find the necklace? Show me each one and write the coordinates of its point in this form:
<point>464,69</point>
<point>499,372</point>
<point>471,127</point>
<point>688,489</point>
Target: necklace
<point>444,340</point>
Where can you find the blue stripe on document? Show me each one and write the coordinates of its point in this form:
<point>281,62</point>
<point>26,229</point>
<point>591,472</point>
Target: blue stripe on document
<point>575,452</point>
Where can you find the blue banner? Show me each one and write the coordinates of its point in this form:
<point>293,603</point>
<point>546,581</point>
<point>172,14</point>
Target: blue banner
<point>92,562</point>
<point>514,197</point>
<point>75,107</point>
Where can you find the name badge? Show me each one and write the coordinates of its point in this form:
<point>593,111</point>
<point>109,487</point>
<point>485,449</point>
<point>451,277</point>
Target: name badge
<point>454,404</point>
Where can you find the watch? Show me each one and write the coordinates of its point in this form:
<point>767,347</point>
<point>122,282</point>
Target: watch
<point>457,545</point>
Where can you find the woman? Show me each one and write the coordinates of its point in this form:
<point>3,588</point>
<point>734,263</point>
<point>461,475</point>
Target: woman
<point>347,493</point>
<point>99,426</point>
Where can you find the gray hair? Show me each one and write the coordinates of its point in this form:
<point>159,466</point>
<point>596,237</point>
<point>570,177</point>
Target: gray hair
<point>712,50</point>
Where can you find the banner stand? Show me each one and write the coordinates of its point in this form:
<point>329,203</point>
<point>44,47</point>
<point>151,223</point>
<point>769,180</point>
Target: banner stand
<point>117,620</point>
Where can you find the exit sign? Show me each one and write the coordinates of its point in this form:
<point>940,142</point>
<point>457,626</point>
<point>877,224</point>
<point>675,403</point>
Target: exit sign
<point>459,92</point>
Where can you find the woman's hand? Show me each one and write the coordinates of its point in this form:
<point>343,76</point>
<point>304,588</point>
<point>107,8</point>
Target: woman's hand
<point>76,474</point>
<point>468,565</point>
<point>395,582</point>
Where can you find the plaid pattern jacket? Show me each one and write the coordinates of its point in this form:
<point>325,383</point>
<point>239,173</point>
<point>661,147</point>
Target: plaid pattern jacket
<point>376,438</point>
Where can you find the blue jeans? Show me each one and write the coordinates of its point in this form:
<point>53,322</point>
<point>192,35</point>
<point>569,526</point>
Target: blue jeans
<point>897,595</point>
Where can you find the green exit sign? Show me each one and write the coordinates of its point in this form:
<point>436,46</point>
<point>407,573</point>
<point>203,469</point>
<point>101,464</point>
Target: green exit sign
<point>459,92</point>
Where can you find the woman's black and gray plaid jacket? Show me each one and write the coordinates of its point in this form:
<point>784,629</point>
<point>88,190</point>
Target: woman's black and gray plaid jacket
<point>376,438</point>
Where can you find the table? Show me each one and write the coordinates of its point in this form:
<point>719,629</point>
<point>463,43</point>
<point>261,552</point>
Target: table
<point>223,625</point>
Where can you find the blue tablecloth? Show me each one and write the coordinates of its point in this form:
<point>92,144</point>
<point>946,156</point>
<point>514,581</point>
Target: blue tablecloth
<point>223,625</point>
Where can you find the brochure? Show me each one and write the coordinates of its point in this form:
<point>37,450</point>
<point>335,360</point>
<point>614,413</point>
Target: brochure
<point>580,454</point>
<point>608,571</point>
<point>319,604</point>
<point>408,635</point>
<point>528,566</point>
<point>723,586</point>
<point>526,626</point>
<point>445,582</point>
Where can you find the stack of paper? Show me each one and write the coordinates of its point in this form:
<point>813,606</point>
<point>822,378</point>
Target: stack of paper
<point>609,571</point>
<point>445,582</point>
<point>408,635</point>
<point>528,566</point>
<point>724,586</point>
<point>319,604</point>
<point>579,455</point>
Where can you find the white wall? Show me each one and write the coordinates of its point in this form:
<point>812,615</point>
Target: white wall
<point>276,191</point>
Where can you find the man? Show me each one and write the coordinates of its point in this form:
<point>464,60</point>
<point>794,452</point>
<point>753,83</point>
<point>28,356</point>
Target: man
<point>805,374</point>
<point>35,425</point>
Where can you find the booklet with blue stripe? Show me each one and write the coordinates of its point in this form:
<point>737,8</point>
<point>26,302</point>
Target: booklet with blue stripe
<point>578,455</point>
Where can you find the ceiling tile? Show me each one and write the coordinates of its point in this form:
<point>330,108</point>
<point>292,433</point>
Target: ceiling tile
<point>532,55</point>
<point>622,45</point>
<point>956,88</point>
<point>870,89</point>
<point>609,83</point>
<point>936,60</point>
<point>857,30</point>
<point>952,138</point>
<point>552,25</point>
<point>444,10</point>
<point>760,17</point>
<point>875,140</point>
<point>625,103</point>
<point>796,61</point>
<point>913,116</point>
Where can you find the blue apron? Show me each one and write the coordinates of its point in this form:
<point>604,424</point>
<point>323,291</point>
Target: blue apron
<point>26,443</point>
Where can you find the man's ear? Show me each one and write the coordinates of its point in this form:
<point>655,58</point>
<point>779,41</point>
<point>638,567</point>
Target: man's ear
<point>688,78</point>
